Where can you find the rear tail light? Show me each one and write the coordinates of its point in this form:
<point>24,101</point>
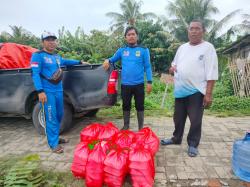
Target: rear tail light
<point>113,82</point>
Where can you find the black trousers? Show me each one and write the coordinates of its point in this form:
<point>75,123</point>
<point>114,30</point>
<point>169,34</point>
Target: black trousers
<point>128,92</point>
<point>191,106</point>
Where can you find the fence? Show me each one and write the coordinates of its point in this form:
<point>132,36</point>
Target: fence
<point>240,73</point>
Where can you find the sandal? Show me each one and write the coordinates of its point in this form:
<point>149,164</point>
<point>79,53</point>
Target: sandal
<point>170,141</point>
<point>62,141</point>
<point>58,149</point>
<point>192,151</point>
<point>167,142</point>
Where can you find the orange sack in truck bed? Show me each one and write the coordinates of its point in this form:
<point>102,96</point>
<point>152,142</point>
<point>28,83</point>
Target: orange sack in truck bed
<point>14,56</point>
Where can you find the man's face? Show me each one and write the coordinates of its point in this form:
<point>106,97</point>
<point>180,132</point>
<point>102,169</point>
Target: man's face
<point>50,44</point>
<point>195,32</point>
<point>131,37</point>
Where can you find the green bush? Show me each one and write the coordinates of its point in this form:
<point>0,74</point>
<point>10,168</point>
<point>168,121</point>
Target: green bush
<point>230,103</point>
<point>222,90</point>
<point>223,87</point>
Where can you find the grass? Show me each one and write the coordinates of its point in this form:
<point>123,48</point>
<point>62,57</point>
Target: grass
<point>222,105</point>
<point>227,113</point>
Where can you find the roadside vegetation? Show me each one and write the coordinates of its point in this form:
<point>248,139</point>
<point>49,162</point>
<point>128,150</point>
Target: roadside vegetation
<point>224,102</point>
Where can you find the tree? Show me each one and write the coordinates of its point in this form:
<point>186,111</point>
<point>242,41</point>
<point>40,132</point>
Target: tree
<point>216,27</point>
<point>93,48</point>
<point>73,42</point>
<point>21,36</point>
<point>184,11</point>
<point>103,45</point>
<point>129,16</point>
<point>153,36</point>
<point>244,27</point>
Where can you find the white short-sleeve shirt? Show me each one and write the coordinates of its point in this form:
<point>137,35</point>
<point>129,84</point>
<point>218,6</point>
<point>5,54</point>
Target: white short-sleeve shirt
<point>196,64</point>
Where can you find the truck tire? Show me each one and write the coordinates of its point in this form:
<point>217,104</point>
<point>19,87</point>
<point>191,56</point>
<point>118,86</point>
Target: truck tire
<point>38,120</point>
<point>91,113</point>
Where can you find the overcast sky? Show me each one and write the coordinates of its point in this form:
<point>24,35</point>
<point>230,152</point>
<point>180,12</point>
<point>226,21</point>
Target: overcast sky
<point>37,16</point>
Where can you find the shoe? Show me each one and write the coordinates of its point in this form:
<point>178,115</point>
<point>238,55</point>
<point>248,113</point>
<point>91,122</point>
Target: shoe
<point>58,149</point>
<point>62,140</point>
<point>192,151</point>
<point>167,142</point>
<point>125,127</point>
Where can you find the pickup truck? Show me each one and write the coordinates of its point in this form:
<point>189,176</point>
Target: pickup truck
<point>87,88</point>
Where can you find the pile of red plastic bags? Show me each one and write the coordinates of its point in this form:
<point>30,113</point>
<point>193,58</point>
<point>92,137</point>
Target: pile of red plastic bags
<point>15,56</point>
<point>106,155</point>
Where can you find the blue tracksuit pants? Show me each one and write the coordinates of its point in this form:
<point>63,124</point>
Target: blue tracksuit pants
<point>53,114</point>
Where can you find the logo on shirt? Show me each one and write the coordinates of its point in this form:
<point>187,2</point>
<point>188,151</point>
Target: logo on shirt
<point>125,53</point>
<point>138,53</point>
<point>47,60</point>
<point>58,61</point>
<point>201,57</point>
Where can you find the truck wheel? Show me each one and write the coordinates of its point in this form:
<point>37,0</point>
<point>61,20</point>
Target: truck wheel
<point>38,119</point>
<point>91,113</point>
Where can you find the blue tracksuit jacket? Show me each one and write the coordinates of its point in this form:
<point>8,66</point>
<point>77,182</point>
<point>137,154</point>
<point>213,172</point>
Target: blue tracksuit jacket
<point>46,64</point>
<point>135,60</point>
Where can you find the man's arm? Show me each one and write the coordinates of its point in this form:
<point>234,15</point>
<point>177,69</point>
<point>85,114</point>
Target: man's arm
<point>173,67</point>
<point>148,70</point>
<point>69,62</point>
<point>211,69</point>
<point>207,101</point>
<point>36,65</point>
<point>113,59</point>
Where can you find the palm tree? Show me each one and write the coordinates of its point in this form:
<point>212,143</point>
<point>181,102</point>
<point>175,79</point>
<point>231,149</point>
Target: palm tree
<point>244,27</point>
<point>184,11</point>
<point>130,14</point>
<point>218,25</point>
<point>72,41</point>
<point>21,36</point>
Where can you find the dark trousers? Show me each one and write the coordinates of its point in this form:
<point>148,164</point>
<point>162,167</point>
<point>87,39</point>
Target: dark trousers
<point>191,106</point>
<point>128,92</point>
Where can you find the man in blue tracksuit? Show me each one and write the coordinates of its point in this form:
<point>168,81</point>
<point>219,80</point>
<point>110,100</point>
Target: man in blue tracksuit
<point>135,60</point>
<point>44,64</point>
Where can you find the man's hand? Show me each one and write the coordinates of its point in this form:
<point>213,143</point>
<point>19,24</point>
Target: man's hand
<point>105,64</point>
<point>42,97</point>
<point>207,100</point>
<point>173,69</point>
<point>82,62</point>
<point>149,88</point>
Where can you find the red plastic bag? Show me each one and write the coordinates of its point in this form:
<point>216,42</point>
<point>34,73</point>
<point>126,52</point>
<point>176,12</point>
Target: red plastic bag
<point>125,138</point>
<point>141,166</point>
<point>112,180</point>
<point>13,56</point>
<point>91,132</point>
<point>94,167</point>
<point>108,131</point>
<point>150,140</point>
<point>115,167</point>
<point>78,166</point>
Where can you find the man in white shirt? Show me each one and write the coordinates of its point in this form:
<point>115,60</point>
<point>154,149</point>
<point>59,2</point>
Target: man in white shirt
<point>195,69</point>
